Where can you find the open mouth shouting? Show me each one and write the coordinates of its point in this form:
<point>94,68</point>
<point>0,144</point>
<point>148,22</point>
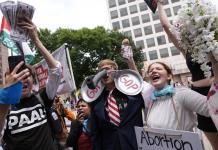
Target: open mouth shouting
<point>155,78</point>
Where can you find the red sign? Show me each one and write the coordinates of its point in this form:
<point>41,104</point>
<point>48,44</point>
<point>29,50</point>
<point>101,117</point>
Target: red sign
<point>42,75</point>
<point>128,82</point>
<point>92,92</point>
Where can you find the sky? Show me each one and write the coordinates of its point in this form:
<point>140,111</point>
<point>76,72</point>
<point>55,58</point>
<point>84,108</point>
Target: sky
<point>74,14</point>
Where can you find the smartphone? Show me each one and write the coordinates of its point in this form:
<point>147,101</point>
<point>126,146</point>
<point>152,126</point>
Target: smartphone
<point>14,60</point>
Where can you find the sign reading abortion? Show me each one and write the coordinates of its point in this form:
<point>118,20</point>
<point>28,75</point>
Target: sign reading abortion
<point>162,139</point>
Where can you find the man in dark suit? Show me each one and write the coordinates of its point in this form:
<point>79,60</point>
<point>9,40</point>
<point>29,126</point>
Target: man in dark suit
<point>114,129</point>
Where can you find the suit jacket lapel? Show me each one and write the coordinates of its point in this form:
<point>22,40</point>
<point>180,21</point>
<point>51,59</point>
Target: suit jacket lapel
<point>130,110</point>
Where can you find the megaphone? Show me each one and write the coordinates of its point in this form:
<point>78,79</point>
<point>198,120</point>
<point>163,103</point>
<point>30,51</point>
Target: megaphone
<point>92,86</point>
<point>93,80</point>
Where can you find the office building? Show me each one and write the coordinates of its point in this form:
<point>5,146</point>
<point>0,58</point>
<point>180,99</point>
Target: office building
<point>134,19</point>
<point>3,62</point>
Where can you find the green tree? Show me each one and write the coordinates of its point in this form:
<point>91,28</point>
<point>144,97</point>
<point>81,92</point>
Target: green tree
<point>87,47</point>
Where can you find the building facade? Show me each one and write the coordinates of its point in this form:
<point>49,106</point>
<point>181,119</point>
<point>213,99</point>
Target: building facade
<point>3,62</point>
<point>134,19</point>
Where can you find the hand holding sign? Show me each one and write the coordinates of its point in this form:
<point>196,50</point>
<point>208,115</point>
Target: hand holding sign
<point>126,50</point>
<point>14,12</point>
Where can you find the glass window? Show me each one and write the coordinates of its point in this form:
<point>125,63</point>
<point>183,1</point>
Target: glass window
<point>131,1</point>
<point>144,56</point>
<point>145,18</point>
<point>155,16</point>
<point>174,51</point>
<point>123,12</point>
<point>166,2</point>
<point>174,1</point>
<point>158,28</point>
<point>135,20</point>
<point>133,9</point>
<point>143,6</point>
<point>121,2</point>
<point>125,23</point>
<point>140,44</point>
<point>176,9</point>
<point>153,55</point>
<point>128,33</point>
<point>168,12</point>
<point>161,40</point>
<point>116,25</point>
<point>148,30</point>
<point>112,3</point>
<point>138,32</point>
<point>164,53</point>
<point>150,42</point>
<point>114,14</point>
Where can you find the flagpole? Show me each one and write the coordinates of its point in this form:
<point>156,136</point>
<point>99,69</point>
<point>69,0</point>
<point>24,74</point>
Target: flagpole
<point>71,70</point>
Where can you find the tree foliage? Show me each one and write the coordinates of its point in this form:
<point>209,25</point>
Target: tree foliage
<point>87,47</point>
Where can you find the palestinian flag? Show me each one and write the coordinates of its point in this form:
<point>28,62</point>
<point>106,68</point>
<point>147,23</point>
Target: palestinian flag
<point>5,37</point>
<point>9,43</point>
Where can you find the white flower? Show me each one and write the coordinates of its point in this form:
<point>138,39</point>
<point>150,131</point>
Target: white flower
<point>196,27</point>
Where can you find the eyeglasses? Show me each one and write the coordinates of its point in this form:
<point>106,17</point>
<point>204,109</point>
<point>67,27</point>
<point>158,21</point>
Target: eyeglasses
<point>106,68</point>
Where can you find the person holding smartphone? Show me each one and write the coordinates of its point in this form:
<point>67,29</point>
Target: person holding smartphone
<point>11,92</point>
<point>79,137</point>
<point>28,120</point>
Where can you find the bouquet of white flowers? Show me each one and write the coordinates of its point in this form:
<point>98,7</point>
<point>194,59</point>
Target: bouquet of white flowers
<point>197,30</point>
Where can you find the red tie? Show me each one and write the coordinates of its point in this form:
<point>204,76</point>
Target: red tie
<point>113,111</point>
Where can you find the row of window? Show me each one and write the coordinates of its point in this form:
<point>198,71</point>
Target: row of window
<point>132,9</point>
<point>142,7</point>
<point>163,53</point>
<point>112,3</point>
<point>161,40</point>
<point>145,18</point>
<point>147,30</point>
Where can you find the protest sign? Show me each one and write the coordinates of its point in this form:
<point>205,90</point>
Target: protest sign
<point>213,103</point>
<point>67,81</point>
<point>164,139</point>
<point>152,4</point>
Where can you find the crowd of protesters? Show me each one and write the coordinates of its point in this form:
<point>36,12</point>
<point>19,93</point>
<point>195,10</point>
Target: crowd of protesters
<point>107,123</point>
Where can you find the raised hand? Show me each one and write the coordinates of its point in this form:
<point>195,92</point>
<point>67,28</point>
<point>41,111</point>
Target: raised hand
<point>27,24</point>
<point>126,50</point>
<point>13,77</point>
<point>127,54</point>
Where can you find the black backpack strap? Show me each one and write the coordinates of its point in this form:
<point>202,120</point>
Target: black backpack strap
<point>44,100</point>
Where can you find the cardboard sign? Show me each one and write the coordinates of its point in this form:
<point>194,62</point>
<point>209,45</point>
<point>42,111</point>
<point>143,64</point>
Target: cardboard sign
<point>152,4</point>
<point>163,139</point>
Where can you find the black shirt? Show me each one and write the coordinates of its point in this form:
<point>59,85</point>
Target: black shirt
<point>27,127</point>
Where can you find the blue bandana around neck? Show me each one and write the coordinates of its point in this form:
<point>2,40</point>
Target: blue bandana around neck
<point>166,91</point>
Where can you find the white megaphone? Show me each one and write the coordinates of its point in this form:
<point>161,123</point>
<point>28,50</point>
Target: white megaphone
<point>92,86</point>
